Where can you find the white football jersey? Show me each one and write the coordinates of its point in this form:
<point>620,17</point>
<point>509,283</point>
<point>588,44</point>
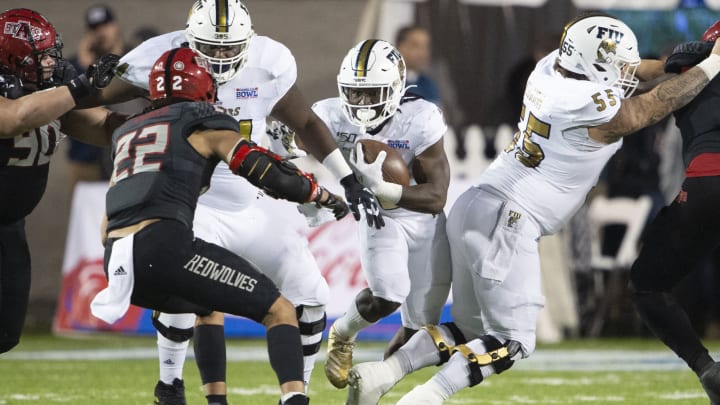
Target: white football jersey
<point>249,97</point>
<point>552,164</point>
<point>417,125</point>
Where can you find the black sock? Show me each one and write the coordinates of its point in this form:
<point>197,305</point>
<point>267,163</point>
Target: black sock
<point>285,350</point>
<point>669,323</point>
<point>210,356</point>
<point>216,399</point>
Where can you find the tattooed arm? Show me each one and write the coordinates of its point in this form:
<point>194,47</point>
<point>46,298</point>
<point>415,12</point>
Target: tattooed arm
<point>646,109</point>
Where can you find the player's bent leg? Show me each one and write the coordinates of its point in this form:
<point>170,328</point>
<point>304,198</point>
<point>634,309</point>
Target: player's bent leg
<point>285,350</point>
<point>173,335</point>
<point>400,337</point>
<point>211,357</point>
<point>365,311</point>
<point>470,364</point>
<point>432,345</point>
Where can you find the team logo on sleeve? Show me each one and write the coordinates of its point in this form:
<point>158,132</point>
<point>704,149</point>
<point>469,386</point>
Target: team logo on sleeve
<point>246,92</point>
<point>513,218</point>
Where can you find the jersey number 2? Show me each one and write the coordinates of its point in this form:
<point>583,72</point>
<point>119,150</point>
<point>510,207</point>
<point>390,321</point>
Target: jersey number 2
<point>140,151</point>
<point>530,154</point>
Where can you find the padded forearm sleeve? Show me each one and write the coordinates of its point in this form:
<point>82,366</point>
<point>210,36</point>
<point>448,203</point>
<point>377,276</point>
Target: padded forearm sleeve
<point>267,171</point>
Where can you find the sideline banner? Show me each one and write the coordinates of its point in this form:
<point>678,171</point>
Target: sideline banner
<point>334,245</point>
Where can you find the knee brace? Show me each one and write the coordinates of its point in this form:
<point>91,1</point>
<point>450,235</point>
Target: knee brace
<point>181,334</point>
<point>498,355</point>
<point>444,349</point>
<point>311,321</point>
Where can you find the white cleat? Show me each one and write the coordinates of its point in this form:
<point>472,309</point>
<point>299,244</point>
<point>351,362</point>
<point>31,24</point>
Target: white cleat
<point>421,395</point>
<point>368,382</point>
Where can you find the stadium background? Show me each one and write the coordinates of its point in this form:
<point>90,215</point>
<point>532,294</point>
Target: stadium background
<point>474,48</point>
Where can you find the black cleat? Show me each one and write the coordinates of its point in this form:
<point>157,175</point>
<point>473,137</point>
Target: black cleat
<point>166,394</point>
<point>710,380</point>
<point>296,400</point>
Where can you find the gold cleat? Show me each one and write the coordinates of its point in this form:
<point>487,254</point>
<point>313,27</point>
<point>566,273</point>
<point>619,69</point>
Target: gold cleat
<point>339,358</point>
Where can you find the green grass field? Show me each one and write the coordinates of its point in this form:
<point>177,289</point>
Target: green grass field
<point>47,370</point>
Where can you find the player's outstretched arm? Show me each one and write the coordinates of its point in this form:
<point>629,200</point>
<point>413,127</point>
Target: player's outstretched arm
<point>93,126</point>
<point>33,110</point>
<point>646,109</point>
<point>118,91</point>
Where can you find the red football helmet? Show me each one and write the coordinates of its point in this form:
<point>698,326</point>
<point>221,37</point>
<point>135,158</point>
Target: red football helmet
<point>25,38</point>
<point>182,73</point>
<point>712,33</point>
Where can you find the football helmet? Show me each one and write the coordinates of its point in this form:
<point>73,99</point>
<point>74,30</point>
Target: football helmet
<point>603,49</point>
<point>221,31</point>
<point>371,82</point>
<point>182,73</point>
<point>712,33</point>
<point>26,37</point>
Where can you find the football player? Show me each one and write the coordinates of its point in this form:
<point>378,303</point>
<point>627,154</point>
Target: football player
<point>373,104</point>
<point>163,160</point>
<point>675,242</point>
<point>577,106</point>
<point>256,77</point>
<point>37,91</point>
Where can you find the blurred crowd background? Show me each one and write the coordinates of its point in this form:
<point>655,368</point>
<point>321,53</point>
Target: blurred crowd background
<point>470,56</point>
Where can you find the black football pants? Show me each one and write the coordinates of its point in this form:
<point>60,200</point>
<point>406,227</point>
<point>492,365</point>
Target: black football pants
<point>177,273</point>
<point>681,236</point>
<point>14,283</point>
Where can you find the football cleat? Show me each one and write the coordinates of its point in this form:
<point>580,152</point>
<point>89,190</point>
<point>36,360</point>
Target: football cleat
<point>170,394</point>
<point>368,382</point>
<point>339,358</point>
<point>710,380</point>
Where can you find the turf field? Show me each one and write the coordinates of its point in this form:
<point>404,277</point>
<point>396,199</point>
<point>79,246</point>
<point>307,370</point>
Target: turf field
<point>123,370</point>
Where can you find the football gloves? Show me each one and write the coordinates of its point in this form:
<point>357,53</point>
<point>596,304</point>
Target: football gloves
<point>282,141</point>
<point>97,76</point>
<point>687,55</point>
<point>358,195</point>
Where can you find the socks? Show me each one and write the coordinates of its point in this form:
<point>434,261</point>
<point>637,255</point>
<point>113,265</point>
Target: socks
<point>351,323</point>
<point>172,358</point>
<point>420,351</point>
<point>216,399</point>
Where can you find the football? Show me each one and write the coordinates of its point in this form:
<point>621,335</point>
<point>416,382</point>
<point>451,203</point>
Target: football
<point>394,168</point>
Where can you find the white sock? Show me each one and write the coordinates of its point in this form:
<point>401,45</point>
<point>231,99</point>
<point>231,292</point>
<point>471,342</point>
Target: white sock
<point>172,358</point>
<point>420,351</point>
<point>455,375</point>
<point>310,315</point>
<point>351,323</point>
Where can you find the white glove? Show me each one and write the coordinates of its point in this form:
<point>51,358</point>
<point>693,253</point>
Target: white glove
<point>282,141</point>
<point>315,215</point>
<point>370,175</point>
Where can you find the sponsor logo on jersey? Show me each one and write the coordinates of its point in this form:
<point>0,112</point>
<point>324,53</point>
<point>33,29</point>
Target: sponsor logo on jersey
<point>247,92</point>
<point>16,30</point>
<point>120,271</point>
<point>219,272</point>
<point>399,143</point>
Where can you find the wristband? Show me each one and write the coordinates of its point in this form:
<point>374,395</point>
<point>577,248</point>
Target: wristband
<point>79,87</point>
<point>389,192</point>
<point>336,164</point>
<point>711,65</point>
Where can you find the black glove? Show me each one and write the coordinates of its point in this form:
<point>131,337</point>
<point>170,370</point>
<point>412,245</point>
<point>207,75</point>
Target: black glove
<point>11,87</point>
<point>334,202</point>
<point>97,76</point>
<point>687,55</point>
<point>357,194</point>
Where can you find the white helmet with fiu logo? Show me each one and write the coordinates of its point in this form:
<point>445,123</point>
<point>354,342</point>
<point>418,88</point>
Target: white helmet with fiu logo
<point>603,49</point>
<point>220,30</point>
<point>371,82</point>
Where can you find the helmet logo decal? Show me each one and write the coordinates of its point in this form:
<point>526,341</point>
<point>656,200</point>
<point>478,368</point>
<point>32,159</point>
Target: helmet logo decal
<point>17,30</point>
<point>610,34</point>
<point>361,64</point>
<point>221,16</point>
<point>179,65</point>
<point>606,47</point>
